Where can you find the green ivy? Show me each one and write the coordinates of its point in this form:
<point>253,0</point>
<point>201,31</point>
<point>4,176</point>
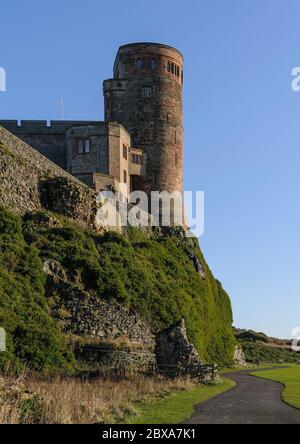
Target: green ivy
<point>151,274</point>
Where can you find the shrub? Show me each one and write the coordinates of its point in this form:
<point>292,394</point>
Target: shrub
<point>154,275</point>
<point>33,337</point>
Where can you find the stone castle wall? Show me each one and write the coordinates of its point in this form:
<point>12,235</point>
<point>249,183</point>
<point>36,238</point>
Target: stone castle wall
<point>30,182</point>
<point>47,138</point>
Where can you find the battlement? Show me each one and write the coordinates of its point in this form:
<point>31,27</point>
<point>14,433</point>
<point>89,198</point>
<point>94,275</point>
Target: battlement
<point>41,127</point>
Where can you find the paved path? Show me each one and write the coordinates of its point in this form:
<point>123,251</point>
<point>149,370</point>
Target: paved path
<point>252,401</point>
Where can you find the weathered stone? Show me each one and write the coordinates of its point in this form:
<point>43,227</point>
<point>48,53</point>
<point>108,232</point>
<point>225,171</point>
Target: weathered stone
<point>145,95</point>
<point>239,358</point>
<point>85,314</point>
<point>30,181</point>
<point>174,352</point>
<point>176,356</point>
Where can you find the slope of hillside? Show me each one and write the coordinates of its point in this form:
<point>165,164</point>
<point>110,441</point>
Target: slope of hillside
<point>154,276</point>
<point>144,281</point>
<point>258,347</point>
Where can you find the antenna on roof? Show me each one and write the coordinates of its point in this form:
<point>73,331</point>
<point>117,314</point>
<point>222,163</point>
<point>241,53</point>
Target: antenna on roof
<point>62,105</point>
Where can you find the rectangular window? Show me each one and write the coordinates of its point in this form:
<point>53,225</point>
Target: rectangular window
<point>138,63</point>
<point>84,146</point>
<point>125,152</point>
<point>80,147</point>
<point>125,176</point>
<point>147,91</point>
<point>136,159</point>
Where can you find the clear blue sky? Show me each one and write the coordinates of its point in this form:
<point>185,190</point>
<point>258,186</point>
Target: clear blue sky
<point>242,120</point>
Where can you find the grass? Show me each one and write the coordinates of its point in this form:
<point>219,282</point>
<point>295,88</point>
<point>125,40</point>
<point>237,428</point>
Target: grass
<point>154,276</point>
<point>290,378</point>
<point>179,406</point>
<point>33,400</point>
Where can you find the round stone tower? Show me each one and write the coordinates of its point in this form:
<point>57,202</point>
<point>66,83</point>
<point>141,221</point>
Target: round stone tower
<point>145,96</point>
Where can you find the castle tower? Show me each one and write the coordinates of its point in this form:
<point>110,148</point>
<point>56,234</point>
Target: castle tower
<point>145,96</point>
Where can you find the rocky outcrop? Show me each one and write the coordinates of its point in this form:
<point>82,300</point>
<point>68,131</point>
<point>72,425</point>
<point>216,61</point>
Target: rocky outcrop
<point>174,352</point>
<point>64,196</point>
<point>110,338</point>
<point>176,356</point>
<point>114,338</point>
<point>239,358</point>
<point>84,314</point>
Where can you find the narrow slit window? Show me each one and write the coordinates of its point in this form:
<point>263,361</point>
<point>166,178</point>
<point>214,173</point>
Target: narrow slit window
<point>147,91</point>
<point>125,152</point>
<point>80,147</point>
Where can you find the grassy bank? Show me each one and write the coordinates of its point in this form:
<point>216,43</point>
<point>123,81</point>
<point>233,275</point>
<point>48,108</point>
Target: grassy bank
<point>33,400</point>
<point>178,407</point>
<point>155,275</point>
<point>290,378</point>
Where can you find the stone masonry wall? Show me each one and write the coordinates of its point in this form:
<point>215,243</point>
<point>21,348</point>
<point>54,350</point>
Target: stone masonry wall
<point>47,139</point>
<point>153,116</point>
<point>30,182</point>
<point>85,314</point>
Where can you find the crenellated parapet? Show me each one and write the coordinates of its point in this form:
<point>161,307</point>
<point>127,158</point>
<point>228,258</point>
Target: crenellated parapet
<point>32,127</point>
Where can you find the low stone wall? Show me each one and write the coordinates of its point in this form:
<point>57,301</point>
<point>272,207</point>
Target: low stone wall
<point>106,360</point>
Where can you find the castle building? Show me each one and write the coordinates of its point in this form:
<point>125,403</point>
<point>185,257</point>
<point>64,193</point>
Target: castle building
<point>139,146</point>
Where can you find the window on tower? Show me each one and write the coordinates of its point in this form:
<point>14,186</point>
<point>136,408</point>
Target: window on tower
<point>148,63</point>
<point>147,91</point>
<point>173,69</point>
<point>138,63</point>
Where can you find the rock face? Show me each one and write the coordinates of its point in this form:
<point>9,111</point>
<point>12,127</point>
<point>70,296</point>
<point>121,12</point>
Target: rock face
<point>174,353</point>
<point>239,357</point>
<point>85,314</point>
<point>99,325</point>
<point>64,196</point>
<point>102,324</point>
